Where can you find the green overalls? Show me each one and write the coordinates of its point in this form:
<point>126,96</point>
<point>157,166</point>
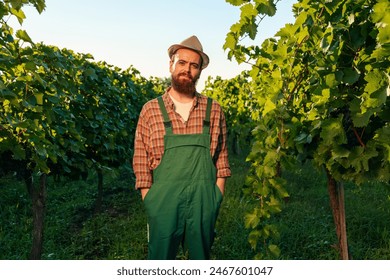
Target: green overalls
<point>183,202</point>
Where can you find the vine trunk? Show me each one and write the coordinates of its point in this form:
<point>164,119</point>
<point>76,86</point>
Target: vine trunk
<point>336,195</point>
<point>38,208</point>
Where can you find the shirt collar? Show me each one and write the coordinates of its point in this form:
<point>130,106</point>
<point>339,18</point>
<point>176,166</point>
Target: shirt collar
<point>167,99</point>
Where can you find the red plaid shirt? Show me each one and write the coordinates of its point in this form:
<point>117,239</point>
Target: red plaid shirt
<point>149,136</point>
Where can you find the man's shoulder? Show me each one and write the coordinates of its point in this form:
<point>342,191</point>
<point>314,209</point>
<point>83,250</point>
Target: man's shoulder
<point>151,104</point>
<point>149,109</point>
<point>204,99</point>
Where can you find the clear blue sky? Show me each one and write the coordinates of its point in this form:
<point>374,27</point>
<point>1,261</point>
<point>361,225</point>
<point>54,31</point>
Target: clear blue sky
<point>138,32</point>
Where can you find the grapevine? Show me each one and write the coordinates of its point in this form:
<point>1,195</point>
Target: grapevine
<point>321,86</point>
<point>62,113</point>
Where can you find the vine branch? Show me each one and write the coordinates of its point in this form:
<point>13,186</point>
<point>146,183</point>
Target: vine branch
<point>359,137</point>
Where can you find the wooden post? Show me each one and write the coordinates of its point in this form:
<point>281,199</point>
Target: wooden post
<point>343,225</point>
<point>336,195</point>
<point>38,207</point>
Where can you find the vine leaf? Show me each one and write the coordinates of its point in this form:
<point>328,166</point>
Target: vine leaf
<point>21,34</point>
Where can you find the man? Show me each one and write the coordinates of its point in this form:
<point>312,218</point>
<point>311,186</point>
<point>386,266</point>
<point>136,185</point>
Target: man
<point>180,159</point>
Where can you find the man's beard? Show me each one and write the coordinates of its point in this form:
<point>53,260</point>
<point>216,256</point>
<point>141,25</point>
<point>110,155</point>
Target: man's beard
<point>184,86</point>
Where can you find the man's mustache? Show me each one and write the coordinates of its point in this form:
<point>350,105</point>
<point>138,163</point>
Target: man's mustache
<point>186,75</point>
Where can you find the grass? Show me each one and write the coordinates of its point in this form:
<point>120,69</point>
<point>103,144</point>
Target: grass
<point>74,231</point>
<point>306,223</point>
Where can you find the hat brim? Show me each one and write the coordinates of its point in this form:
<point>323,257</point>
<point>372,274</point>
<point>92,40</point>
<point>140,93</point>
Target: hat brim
<point>174,48</point>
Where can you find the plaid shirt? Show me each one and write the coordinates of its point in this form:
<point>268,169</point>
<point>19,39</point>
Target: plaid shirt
<point>149,136</point>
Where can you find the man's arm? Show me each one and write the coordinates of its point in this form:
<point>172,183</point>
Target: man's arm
<point>143,193</point>
<point>221,184</point>
<point>222,161</point>
<point>140,159</point>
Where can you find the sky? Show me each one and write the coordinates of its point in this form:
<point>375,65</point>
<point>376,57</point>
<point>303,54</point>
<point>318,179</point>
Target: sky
<point>138,33</point>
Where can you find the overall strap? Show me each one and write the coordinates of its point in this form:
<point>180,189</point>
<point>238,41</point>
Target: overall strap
<point>206,122</point>
<point>167,121</point>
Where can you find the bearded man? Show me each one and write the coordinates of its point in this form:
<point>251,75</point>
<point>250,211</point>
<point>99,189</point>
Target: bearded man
<point>181,160</point>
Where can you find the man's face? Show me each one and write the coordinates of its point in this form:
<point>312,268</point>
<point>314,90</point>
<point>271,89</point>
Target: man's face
<point>185,68</point>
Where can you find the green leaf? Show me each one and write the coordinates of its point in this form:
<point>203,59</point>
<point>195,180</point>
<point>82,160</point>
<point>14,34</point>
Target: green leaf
<point>230,41</point>
<point>327,39</point>
<point>274,205</point>
<point>331,80</point>
<point>382,135</point>
<point>19,14</point>
<point>251,29</point>
<point>333,132</point>
<point>359,119</point>
<point>375,79</point>
<point>7,94</point>
<point>251,219</point>
<point>351,76</point>
<point>248,11</point>
<point>375,94</point>
<point>253,238</point>
<point>39,98</point>
<point>9,38</point>
<point>266,8</point>
<point>274,250</point>
<point>236,2</point>
<point>321,100</point>
<point>2,86</point>
<point>53,99</point>
<point>301,138</point>
<point>21,34</point>
<point>359,158</point>
<point>39,5</point>
<point>381,12</point>
<point>268,107</point>
<point>90,72</point>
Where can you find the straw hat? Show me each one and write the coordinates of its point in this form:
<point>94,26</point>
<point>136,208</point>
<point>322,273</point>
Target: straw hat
<point>191,43</point>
